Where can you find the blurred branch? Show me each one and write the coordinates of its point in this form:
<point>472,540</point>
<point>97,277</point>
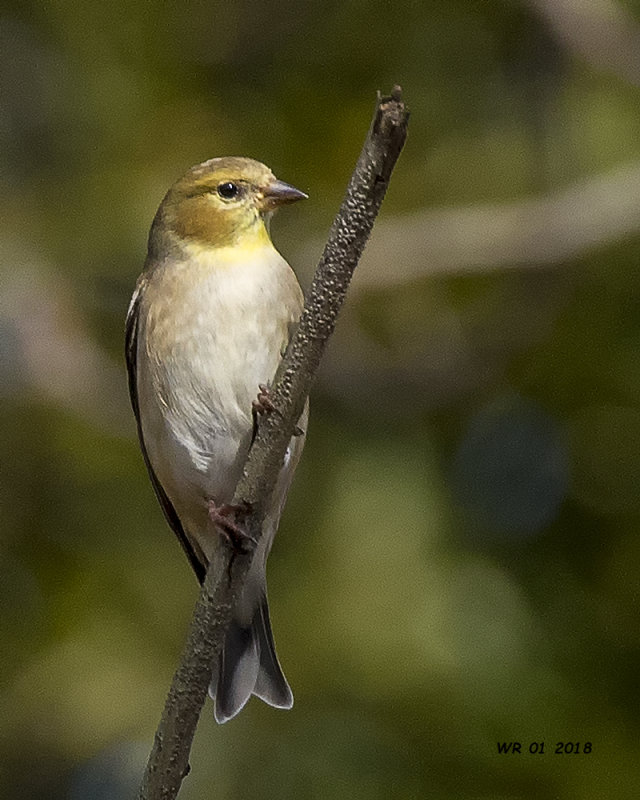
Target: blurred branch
<point>602,31</point>
<point>169,759</point>
<point>524,234</point>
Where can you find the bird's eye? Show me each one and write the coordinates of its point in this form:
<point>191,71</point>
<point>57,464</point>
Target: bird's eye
<point>228,190</point>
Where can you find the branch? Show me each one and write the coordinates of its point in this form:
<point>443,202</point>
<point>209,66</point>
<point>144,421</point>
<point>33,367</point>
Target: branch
<point>169,759</point>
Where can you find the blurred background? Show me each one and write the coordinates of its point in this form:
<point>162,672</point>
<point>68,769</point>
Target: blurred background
<point>459,561</point>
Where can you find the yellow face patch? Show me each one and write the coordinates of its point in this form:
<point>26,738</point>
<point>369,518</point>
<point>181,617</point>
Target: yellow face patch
<point>207,220</point>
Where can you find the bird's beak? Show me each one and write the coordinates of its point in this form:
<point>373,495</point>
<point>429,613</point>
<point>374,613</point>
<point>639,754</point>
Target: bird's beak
<point>279,193</point>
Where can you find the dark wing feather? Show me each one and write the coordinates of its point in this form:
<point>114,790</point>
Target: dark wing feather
<point>131,350</point>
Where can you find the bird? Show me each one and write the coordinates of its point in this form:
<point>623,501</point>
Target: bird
<point>210,318</point>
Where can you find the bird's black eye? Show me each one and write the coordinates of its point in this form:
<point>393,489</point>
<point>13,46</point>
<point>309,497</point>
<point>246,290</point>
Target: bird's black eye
<point>228,190</point>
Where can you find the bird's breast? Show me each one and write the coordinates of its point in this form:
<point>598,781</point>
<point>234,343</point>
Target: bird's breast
<point>212,329</point>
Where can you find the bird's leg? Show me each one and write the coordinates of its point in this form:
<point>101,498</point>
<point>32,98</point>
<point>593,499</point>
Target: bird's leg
<point>225,516</point>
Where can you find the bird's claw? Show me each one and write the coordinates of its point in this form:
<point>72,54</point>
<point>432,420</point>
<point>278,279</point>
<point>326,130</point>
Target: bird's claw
<point>225,517</point>
<point>263,404</point>
<point>260,407</point>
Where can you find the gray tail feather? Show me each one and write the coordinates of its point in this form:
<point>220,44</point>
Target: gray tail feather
<point>249,665</point>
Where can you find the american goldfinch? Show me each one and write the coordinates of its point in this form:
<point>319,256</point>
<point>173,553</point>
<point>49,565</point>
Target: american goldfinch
<point>208,323</point>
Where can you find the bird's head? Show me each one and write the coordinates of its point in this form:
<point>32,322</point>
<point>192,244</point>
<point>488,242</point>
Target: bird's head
<point>222,202</point>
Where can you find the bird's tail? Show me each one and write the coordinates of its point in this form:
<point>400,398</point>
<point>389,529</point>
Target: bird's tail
<point>249,665</point>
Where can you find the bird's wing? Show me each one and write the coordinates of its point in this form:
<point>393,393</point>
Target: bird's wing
<point>131,350</point>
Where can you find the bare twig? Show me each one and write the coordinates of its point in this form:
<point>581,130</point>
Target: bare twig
<point>169,759</point>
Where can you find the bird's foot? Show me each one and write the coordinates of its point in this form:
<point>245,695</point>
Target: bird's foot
<point>263,404</point>
<point>260,407</point>
<point>226,517</point>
